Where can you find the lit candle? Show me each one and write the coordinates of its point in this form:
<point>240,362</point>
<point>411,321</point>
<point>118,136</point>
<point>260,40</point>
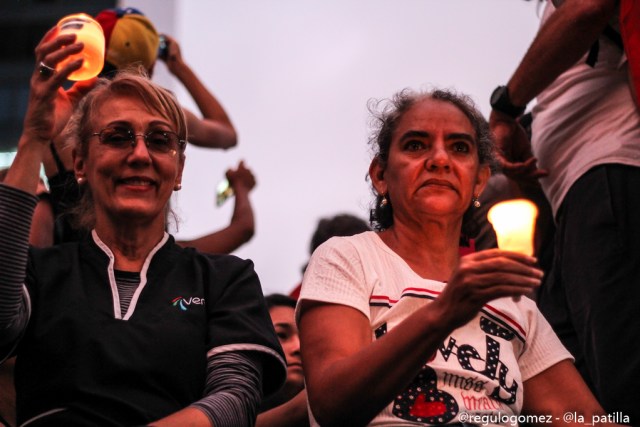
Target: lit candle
<point>89,32</point>
<point>514,223</point>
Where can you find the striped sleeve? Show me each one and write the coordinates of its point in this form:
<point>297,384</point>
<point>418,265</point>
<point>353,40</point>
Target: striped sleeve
<point>16,211</point>
<point>233,389</point>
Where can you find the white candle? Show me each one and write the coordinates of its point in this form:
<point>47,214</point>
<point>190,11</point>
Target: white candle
<point>514,223</point>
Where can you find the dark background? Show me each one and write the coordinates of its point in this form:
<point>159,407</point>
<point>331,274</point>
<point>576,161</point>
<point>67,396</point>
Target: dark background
<point>22,25</point>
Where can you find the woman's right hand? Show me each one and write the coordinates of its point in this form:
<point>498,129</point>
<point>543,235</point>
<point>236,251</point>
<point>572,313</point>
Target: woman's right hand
<point>49,105</point>
<point>483,276</point>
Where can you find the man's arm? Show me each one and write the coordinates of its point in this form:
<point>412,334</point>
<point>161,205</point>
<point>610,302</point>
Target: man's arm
<point>214,129</point>
<point>568,33</point>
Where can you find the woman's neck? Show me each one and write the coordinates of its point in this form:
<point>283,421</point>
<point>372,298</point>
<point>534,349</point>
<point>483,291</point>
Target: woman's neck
<point>130,244</point>
<point>431,249</point>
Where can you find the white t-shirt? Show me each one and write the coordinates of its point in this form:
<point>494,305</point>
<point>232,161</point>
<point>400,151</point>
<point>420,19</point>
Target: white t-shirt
<point>478,370</point>
<point>586,117</point>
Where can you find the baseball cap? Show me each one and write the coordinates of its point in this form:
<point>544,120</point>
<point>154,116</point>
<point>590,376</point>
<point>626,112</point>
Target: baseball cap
<point>130,38</point>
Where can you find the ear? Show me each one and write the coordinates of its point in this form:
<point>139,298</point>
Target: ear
<point>78,164</point>
<point>178,181</point>
<point>483,178</point>
<point>376,173</point>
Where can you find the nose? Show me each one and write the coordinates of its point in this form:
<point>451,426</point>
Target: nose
<point>291,347</point>
<point>438,158</point>
<point>140,151</point>
<point>294,345</point>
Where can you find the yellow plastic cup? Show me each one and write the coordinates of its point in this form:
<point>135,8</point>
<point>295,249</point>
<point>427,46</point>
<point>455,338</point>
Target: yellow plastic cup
<point>514,222</point>
<point>89,32</point>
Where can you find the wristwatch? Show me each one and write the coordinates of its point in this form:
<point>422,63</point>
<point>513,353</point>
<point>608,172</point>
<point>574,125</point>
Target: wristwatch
<point>501,102</point>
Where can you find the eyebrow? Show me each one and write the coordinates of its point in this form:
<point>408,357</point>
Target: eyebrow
<point>283,325</point>
<point>125,123</point>
<point>413,134</point>
<point>122,123</point>
<point>423,134</point>
<point>464,136</point>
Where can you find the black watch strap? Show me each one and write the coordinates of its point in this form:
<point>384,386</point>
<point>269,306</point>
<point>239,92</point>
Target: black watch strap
<point>500,101</point>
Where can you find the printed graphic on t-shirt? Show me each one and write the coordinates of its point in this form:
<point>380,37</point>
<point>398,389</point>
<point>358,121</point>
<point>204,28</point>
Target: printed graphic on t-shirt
<point>423,402</point>
<point>464,375</point>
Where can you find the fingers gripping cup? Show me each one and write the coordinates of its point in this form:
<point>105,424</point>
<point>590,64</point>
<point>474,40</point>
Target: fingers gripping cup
<point>514,223</point>
<point>89,32</point>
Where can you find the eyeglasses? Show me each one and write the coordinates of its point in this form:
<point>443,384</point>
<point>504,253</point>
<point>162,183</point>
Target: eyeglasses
<point>157,141</point>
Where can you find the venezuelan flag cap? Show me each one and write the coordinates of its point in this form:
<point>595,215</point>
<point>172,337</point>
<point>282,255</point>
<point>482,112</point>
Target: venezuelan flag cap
<point>130,38</point>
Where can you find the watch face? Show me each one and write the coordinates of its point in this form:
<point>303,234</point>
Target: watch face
<point>500,102</point>
<point>497,94</point>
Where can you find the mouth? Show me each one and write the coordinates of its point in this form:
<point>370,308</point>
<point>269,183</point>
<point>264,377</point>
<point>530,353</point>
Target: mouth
<point>137,181</point>
<point>295,369</point>
<point>439,183</point>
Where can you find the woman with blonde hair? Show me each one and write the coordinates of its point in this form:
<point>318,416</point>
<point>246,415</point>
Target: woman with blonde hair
<point>124,327</point>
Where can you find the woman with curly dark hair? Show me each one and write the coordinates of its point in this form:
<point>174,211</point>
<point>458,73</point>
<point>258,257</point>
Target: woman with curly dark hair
<point>396,328</point>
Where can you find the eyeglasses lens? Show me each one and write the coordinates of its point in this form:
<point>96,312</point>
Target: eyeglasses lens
<point>157,141</point>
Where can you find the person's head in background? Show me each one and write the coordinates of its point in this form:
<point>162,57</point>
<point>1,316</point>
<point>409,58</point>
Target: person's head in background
<point>338,225</point>
<point>131,40</point>
<point>282,311</point>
